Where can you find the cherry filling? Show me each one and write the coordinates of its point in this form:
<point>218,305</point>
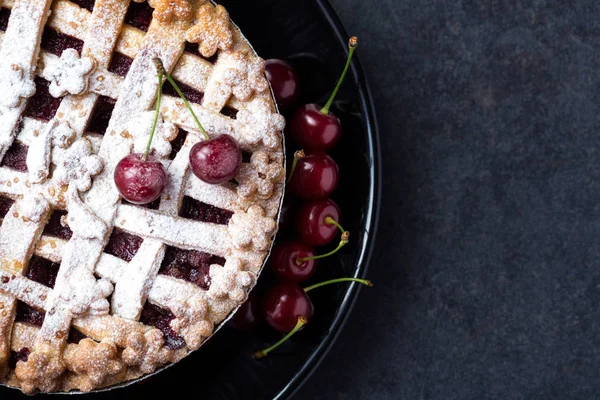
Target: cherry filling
<point>29,315</point>
<point>16,157</point>
<point>192,94</point>
<point>139,15</point>
<point>56,42</point>
<point>42,105</point>
<point>150,206</point>
<point>55,228</point>
<point>123,245</point>
<point>229,112</point>
<point>193,48</point>
<point>101,115</point>
<point>16,356</point>
<point>161,318</point>
<point>120,64</point>
<point>177,143</point>
<point>75,336</point>
<point>246,156</point>
<point>87,4</point>
<point>4,17</point>
<point>194,209</point>
<point>42,271</point>
<point>189,265</point>
<point>5,204</point>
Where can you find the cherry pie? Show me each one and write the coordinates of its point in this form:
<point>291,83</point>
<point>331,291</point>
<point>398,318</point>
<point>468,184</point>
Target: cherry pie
<point>95,291</point>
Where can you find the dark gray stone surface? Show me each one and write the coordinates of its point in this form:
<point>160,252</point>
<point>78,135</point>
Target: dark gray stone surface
<point>487,265</point>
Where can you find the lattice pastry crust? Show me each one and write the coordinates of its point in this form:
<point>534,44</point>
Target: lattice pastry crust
<point>95,291</point>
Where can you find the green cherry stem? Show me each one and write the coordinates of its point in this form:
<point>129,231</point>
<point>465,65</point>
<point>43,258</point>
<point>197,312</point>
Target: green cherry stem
<point>352,43</point>
<point>338,280</point>
<point>331,221</point>
<point>263,353</point>
<point>298,155</point>
<point>160,66</point>
<point>343,242</point>
<point>156,113</point>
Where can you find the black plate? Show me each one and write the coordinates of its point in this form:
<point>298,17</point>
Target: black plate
<point>309,35</point>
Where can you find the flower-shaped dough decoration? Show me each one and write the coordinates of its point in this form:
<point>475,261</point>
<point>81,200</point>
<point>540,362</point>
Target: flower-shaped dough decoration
<point>259,176</point>
<point>139,128</point>
<point>15,84</point>
<point>244,74</point>
<point>166,10</point>
<point>252,229</point>
<point>259,123</point>
<point>95,361</point>
<point>76,165</point>
<point>212,30</point>
<point>230,280</point>
<point>41,370</point>
<point>146,351</point>
<point>71,74</point>
<point>192,322</point>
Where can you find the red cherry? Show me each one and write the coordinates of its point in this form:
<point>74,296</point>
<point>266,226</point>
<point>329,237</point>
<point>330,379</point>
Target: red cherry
<point>285,261</point>
<point>216,160</point>
<point>139,181</point>
<point>248,316</point>
<point>313,130</point>
<point>284,81</point>
<point>316,128</point>
<point>311,222</point>
<point>316,176</point>
<point>284,303</point>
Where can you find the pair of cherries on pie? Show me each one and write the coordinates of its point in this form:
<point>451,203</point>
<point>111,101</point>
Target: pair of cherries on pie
<point>141,178</point>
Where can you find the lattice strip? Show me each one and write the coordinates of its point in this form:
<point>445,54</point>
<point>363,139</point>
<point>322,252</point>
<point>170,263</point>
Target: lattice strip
<point>222,196</point>
<point>20,230</point>
<point>76,110</point>
<point>12,182</point>
<point>187,234</point>
<point>131,290</point>
<point>19,52</point>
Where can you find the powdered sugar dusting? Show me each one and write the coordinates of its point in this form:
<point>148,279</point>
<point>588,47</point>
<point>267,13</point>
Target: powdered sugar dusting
<point>259,177</point>
<point>212,30</point>
<point>258,123</point>
<point>139,128</point>
<point>70,75</point>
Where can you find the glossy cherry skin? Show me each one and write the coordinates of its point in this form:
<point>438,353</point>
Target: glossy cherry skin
<point>248,316</point>
<point>138,181</point>
<point>284,81</point>
<point>314,131</point>
<point>216,160</point>
<point>310,222</point>
<point>284,261</point>
<point>284,303</point>
<point>316,176</point>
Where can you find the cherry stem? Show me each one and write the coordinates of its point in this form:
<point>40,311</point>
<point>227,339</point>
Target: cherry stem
<point>156,113</point>
<point>160,66</point>
<point>263,353</point>
<point>298,155</point>
<point>352,43</point>
<point>331,221</point>
<point>339,280</point>
<point>343,242</point>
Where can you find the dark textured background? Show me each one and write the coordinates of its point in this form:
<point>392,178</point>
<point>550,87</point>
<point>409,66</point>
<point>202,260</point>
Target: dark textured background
<point>486,269</point>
